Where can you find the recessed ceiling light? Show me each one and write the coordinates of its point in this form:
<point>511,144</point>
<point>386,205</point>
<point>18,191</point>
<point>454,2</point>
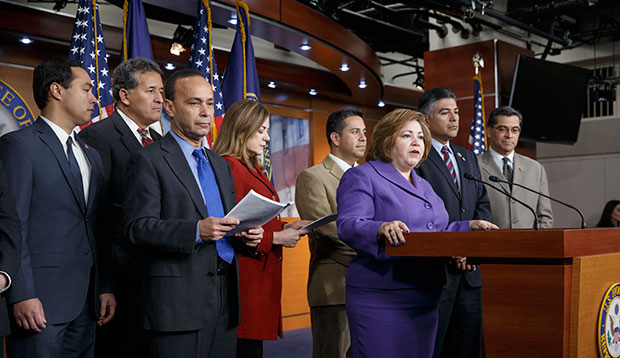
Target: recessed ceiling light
<point>312,92</point>
<point>271,84</point>
<point>170,66</point>
<point>305,47</point>
<point>381,104</point>
<point>26,40</point>
<point>362,84</point>
<point>233,19</point>
<point>344,67</point>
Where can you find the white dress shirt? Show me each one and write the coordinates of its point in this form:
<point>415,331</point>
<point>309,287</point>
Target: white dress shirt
<point>341,163</point>
<point>437,145</point>
<point>498,159</point>
<point>80,156</point>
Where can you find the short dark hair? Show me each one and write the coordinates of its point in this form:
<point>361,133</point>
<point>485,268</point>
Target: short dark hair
<point>172,81</point>
<point>126,74</point>
<point>337,121</point>
<point>49,71</point>
<point>428,99</point>
<point>504,111</point>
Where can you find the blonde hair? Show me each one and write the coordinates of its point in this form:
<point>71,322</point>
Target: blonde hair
<point>386,131</point>
<point>242,120</point>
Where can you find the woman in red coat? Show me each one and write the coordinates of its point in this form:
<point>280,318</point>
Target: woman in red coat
<point>241,140</point>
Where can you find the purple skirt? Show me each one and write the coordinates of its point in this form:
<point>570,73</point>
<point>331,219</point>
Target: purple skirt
<point>392,323</point>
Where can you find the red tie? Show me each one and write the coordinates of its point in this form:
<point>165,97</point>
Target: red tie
<point>146,140</point>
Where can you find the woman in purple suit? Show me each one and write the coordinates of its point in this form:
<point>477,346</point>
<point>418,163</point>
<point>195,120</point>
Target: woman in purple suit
<point>392,302</point>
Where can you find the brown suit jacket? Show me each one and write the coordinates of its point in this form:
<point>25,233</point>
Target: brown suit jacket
<point>315,197</point>
<point>507,213</point>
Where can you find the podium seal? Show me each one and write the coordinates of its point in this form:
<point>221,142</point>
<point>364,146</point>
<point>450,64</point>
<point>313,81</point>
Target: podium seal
<point>609,323</point>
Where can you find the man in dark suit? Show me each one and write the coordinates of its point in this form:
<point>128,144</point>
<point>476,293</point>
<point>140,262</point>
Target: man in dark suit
<point>177,194</point>
<point>460,310</point>
<point>60,289</point>
<point>138,92</point>
<point>10,246</point>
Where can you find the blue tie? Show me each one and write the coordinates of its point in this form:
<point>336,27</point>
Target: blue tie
<point>75,170</point>
<point>213,201</point>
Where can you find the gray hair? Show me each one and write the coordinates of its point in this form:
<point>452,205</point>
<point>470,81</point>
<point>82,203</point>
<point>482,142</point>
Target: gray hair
<point>426,103</point>
<point>125,75</point>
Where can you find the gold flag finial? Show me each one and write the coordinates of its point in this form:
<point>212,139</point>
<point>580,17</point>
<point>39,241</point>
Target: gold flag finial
<point>478,61</point>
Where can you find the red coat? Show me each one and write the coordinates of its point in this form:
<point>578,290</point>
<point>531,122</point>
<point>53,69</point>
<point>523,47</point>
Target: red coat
<point>260,278</point>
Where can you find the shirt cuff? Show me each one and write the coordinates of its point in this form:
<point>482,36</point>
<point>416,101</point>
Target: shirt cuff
<point>8,283</point>
<point>198,240</point>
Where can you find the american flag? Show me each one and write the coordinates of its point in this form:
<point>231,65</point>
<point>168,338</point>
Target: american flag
<point>202,59</point>
<point>477,134</point>
<point>87,46</point>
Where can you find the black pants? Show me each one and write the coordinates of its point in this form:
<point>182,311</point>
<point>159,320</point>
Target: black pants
<point>249,348</point>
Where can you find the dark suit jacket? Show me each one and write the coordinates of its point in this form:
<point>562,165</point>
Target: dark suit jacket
<point>472,203</point>
<point>115,141</point>
<point>10,242</point>
<point>58,240</point>
<point>163,205</point>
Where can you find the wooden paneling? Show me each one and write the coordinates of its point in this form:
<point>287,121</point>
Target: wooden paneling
<point>295,309</point>
<point>592,277</point>
<point>518,298</point>
<point>453,68</point>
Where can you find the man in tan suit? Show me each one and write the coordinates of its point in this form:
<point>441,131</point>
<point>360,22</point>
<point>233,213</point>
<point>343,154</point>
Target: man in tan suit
<point>503,130</point>
<point>315,197</point>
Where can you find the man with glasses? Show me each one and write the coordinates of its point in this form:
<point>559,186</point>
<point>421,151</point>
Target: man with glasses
<point>503,130</point>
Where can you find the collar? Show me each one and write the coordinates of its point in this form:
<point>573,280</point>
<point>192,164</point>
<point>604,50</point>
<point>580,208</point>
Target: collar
<point>341,163</point>
<point>498,157</point>
<point>186,147</point>
<point>130,123</point>
<point>437,145</point>
<point>60,133</point>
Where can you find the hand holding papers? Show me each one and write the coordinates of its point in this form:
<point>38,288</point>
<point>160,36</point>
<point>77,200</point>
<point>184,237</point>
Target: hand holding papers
<point>255,210</point>
<point>321,221</point>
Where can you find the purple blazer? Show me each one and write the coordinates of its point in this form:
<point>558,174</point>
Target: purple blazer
<point>368,196</point>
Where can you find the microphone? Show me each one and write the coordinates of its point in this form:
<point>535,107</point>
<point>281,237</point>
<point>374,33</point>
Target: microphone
<point>495,179</point>
<point>536,224</point>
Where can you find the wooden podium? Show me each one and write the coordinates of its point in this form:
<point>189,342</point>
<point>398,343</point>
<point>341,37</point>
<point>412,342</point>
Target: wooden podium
<point>541,290</point>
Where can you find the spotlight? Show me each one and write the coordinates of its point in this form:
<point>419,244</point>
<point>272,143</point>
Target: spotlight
<point>344,67</point>
<point>305,47</point>
<point>312,92</point>
<point>419,82</point>
<point>181,40</point>
<point>271,84</point>
<point>381,104</point>
<point>362,84</point>
<point>26,40</point>
<point>170,66</point>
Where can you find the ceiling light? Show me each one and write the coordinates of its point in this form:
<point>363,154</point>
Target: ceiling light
<point>170,66</point>
<point>312,92</point>
<point>344,67</point>
<point>381,104</point>
<point>181,40</point>
<point>305,47</point>
<point>271,84</point>
<point>26,40</point>
<point>419,82</point>
<point>362,84</point>
<point>233,19</point>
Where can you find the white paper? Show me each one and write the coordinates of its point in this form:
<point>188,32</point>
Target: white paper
<point>255,210</point>
<point>321,221</point>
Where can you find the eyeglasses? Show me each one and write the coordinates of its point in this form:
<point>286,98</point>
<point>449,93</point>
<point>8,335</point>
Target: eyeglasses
<point>504,130</point>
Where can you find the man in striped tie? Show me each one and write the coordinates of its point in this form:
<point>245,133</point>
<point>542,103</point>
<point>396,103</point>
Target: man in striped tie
<point>460,310</point>
<point>138,92</point>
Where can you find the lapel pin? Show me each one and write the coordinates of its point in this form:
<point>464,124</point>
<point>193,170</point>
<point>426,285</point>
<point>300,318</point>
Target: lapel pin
<point>520,169</point>
<point>458,154</point>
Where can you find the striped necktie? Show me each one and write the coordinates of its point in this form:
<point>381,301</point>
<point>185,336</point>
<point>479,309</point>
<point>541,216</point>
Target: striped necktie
<point>446,159</point>
<point>144,134</point>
